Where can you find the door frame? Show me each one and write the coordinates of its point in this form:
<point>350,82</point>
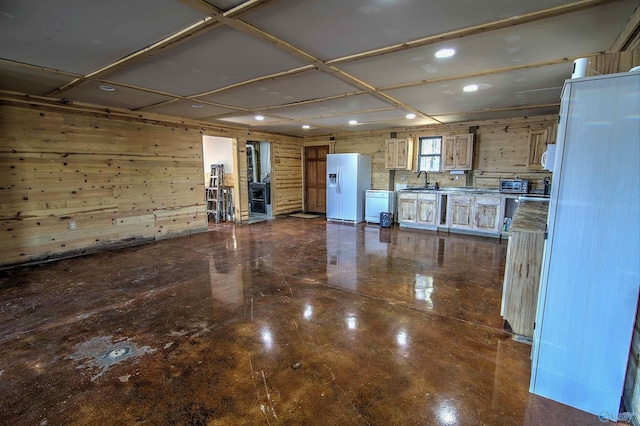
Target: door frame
<point>332,150</point>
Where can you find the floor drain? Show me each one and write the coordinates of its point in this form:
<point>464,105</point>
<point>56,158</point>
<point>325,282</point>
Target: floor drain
<point>117,353</point>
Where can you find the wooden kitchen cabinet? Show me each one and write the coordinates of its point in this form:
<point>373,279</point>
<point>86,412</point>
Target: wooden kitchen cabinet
<point>418,210</point>
<point>399,153</point>
<point>460,211</point>
<point>407,207</point>
<point>487,213</point>
<point>427,209</point>
<point>481,213</point>
<point>457,152</point>
<point>523,266</point>
<point>537,146</point>
<point>538,142</point>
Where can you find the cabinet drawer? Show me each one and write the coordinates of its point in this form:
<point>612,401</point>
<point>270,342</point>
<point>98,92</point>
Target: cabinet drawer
<point>431,197</point>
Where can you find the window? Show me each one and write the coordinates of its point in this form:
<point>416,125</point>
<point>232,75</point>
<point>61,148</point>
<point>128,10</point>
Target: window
<point>429,154</point>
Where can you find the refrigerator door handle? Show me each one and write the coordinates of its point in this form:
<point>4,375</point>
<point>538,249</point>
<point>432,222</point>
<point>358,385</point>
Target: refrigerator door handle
<point>339,180</point>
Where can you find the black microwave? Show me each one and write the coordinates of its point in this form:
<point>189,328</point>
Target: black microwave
<point>514,186</point>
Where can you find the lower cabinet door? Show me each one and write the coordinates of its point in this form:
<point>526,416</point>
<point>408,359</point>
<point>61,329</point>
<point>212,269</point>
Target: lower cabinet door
<point>407,210</point>
<point>427,207</point>
<point>461,207</point>
<point>487,214</point>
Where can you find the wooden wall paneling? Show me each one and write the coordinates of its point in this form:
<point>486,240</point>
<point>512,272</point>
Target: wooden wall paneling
<point>286,176</point>
<point>243,191</point>
<point>614,62</point>
<point>119,180</point>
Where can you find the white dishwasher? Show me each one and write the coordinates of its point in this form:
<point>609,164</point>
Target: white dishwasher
<point>377,201</point>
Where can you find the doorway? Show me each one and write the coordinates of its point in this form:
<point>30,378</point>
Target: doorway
<point>218,161</point>
<point>315,172</point>
<point>259,180</point>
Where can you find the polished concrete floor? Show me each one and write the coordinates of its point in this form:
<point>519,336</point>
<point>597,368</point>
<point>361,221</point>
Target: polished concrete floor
<point>290,321</point>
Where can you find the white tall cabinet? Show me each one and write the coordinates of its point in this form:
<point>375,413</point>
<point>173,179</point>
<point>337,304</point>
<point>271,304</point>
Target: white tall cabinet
<point>591,266</point>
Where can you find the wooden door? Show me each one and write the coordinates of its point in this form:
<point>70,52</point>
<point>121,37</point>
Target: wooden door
<point>315,160</point>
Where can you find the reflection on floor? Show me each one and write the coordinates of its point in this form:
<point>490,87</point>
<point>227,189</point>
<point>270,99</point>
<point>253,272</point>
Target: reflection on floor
<point>289,321</point>
<point>258,217</point>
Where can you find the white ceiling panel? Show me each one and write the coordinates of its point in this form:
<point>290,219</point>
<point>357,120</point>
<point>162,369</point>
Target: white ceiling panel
<point>294,129</point>
<point>237,57</point>
<point>391,115</point>
<point>219,58</point>
<point>511,89</point>
<point>191,109</point>
<point>121,97</point>
<point>331,107</point>
<point>247,119</point>
<point>284,90</point>
<point>81,36</point>
<point>528,43</point>
<point>29,80</point>
<point>497,115</point>
<point>334,28</point>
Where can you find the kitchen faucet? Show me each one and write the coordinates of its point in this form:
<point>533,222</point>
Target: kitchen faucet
<point>426,177</point>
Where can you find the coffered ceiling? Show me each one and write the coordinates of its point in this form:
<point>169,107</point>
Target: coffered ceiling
<point>319,63</point>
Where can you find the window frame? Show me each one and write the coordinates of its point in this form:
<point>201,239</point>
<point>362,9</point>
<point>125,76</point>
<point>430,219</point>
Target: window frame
<point>421,154</point>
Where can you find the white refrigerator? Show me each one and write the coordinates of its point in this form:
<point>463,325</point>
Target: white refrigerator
<point>591,264</point>
<point>348,177</point>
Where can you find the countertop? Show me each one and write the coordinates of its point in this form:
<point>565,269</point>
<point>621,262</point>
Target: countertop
<point>531,216</point>
<point>465,189</point>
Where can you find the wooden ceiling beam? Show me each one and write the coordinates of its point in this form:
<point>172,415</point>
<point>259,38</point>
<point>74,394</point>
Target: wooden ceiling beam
<point>629,36</point>
<point>255,80</point>
<point>39,68</point>
<point>313,101</point>
<point>483,73</point>
<point>181,35</point>
<point>488,111</point>
<point>253,31</point>
<point>474,30</point>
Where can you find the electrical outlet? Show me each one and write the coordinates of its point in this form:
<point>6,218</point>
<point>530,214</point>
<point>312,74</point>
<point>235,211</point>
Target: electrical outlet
<point>72,225</point>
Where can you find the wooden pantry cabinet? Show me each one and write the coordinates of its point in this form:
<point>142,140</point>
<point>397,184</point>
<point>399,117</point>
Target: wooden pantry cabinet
<point>399,153</point>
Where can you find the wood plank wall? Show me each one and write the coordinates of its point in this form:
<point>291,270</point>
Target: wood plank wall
<point>614,62</point>
<point>122,179</point>
<point>119,181</point>
<point>501,149</point>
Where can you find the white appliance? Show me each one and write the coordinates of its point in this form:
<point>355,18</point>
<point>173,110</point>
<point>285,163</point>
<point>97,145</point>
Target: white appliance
<point>591,265</point>
<point>376,202</point>
<point>548,158</point>
<point>348,177</point>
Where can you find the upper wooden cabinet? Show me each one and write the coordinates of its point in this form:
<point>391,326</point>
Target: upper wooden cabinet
<point>399,153</point>
<point>538,141</point>
<point>457,152</point>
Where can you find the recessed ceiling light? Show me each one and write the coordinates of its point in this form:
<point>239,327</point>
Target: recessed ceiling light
<point>306,126</point>
<point>259,117</point>
<point>107,88</point>
<point>411,116</point>
<point>470,88</point>
<point>197,105</point>
<point>353,122</point>
<point>445,53</point>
